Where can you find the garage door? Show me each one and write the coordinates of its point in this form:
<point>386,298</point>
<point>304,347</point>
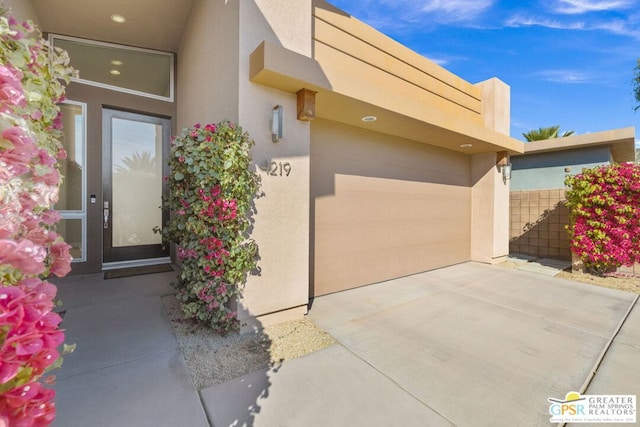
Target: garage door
<point>383,207</point>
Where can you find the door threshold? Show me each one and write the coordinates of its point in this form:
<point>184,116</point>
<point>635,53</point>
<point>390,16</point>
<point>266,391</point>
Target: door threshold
<point>135,263</point>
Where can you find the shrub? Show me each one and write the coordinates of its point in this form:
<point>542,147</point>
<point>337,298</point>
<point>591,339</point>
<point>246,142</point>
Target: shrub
<point>211,193</point>
<point>605,216</point>
<point>30,249</point>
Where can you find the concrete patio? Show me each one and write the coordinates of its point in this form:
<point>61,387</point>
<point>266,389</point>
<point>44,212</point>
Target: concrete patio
<point>467,345</point>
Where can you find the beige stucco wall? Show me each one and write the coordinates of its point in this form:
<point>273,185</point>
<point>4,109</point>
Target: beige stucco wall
<point>385,67</point>
<point>490,194</point>
<point>213,84</point>
<point>496,105</point>
<point>208,71</point>
<point>384,207</point>
<point>489,210</point>
<point>282,224</point>
<point>22,10</point>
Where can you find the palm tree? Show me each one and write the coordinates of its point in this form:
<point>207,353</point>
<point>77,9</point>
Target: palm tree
<point>546,133</point>
<point>138,162</point>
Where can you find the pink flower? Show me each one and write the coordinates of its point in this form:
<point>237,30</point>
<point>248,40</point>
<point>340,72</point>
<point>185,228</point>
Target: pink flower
<point>24,255</point>
<point>11,308</point>
<point>27,26</point>
<point>11,92</point>
<point>29,405</point>
<point>8,371</point>
<point>24,148</point>
<point>45,158</point>
<point>52,178</point>
<point>9,219</point>
<point>40,236</point>
<point>44,194</point>
<point>50,217</point>
<point>57,122</point>
<point>61,259</point>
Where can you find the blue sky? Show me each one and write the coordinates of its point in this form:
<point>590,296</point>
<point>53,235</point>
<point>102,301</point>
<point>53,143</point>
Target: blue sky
<point>568,62</point>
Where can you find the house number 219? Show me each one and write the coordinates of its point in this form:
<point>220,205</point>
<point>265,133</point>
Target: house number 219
<point>279,169</point>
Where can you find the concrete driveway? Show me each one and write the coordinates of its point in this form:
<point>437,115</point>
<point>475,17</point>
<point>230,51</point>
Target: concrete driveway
<point>468,345</point>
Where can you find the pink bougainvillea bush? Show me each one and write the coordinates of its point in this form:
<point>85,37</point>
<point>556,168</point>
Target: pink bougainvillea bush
<point>605,216</point>
<point>211,193</point>
<point>30,249</point>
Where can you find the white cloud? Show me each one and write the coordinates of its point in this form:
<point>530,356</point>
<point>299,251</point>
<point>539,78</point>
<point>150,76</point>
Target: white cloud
<point>523,21</point>
<point>443,60</point>
<point>440,61</point>
<point>423,11</point>
<point>616,26</point>
<point>564,76</point>
<point>619,27</point>
<point>454,10</point>
<point>574,7</point>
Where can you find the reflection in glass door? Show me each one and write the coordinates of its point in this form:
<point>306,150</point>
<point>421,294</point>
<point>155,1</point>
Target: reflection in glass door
<point>134,165</point>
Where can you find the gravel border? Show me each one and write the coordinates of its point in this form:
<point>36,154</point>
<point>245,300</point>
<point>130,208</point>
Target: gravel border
<point>213,359</point>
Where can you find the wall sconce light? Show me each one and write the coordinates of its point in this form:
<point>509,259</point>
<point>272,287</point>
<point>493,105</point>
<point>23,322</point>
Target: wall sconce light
<point>506,172</point>
<point>502,161</point>
<point>276,123</point>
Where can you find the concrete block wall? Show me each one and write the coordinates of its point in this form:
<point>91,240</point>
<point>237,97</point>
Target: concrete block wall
<point>537,224</point>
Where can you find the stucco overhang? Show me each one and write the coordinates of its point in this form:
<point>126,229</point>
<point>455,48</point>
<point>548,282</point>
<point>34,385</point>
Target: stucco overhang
<point>621,142</point>
<point>346,99</point>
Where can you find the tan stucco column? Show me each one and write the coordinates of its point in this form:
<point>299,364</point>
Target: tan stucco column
<point>213,84</point>
<point>281,226</point>
<point>489,210</point>
<point>490,192</point>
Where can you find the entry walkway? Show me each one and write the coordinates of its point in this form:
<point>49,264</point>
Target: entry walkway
<point>127,369</point>
<point>468,345</point>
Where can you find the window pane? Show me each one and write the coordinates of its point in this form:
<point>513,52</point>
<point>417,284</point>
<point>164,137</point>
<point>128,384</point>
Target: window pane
<point>137,182</point>
<point>133,69</point>
<point>71,231</point>
<point>71,168</point>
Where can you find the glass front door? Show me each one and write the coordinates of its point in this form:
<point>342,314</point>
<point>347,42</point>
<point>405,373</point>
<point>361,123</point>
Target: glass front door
<point>133,168</point>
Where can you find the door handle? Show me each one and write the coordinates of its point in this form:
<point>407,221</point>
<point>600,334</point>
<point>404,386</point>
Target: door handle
<point>105,214</point>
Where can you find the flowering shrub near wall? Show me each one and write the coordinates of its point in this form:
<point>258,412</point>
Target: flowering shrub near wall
<point>605,216</point>
<point>30,249</point>
<point>211,191</point>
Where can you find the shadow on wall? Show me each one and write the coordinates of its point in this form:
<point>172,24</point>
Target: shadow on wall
<point>537,226</point>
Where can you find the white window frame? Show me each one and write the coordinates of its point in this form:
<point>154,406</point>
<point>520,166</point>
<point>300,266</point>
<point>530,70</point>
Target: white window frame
<point>82,213</point>
<point>171,56</point>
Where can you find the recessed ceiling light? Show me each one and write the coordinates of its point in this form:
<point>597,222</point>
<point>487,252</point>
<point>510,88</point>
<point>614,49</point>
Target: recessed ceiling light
<point>116,62</point>
<point>369,118</point>
<point>120,19</point>
<point>115,72</point>
<point>466,145</point>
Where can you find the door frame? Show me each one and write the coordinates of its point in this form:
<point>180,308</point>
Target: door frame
<point>141,254</point>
